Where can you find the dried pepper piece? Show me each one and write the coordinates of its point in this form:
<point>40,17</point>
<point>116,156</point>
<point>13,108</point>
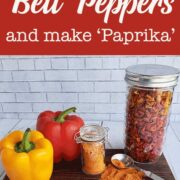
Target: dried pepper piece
<point>146,120</point>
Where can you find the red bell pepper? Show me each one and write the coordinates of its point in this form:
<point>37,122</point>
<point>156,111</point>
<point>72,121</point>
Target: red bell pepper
<point>60,128</point>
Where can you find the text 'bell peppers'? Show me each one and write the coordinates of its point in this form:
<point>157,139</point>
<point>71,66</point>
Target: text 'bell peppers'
<point>60,128</point>
<point>27,156</point>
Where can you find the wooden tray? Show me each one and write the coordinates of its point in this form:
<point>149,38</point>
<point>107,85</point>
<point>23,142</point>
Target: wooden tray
<point>72,170</point>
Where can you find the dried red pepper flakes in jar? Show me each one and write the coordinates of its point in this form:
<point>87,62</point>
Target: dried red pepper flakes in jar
<point>150,92</point>
<point>145,123</point>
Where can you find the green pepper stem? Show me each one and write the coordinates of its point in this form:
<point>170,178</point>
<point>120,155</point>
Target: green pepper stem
<point>61,117</point>
<point>25,145</point>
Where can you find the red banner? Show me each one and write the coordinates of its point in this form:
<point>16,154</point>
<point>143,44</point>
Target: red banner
<point>90,27</point>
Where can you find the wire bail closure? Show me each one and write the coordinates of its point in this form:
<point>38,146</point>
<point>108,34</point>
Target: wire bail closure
<point>98,133</point>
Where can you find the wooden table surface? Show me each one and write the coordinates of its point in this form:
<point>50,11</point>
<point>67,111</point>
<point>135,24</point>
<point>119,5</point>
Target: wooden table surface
<point>72,170</point>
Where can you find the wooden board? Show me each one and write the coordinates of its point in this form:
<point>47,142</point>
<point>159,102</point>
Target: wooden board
<point>72,170</point>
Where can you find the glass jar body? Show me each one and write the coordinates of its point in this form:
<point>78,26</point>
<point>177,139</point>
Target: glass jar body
<point>93,157</point>
<point>147,114</point>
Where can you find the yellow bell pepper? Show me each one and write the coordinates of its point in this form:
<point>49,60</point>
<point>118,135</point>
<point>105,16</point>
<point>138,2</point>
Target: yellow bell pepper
<point>27,156</point>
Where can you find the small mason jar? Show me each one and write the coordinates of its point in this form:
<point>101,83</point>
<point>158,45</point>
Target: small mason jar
<point>150,92</point>
<point>92,139</point>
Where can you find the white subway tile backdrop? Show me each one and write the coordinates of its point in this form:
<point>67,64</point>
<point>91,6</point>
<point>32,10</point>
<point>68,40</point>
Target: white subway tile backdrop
<point>95,85</point>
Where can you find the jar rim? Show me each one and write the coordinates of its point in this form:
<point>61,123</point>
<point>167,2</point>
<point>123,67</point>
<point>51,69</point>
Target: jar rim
<point>152,75</point>
<point>92,133</point>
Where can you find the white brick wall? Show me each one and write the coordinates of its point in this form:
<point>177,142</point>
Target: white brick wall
<point>5,76</point>
<point>110,86</point>
<point>94,75</point>
<point>56,64</point>
<point>31,97</point>
<point>7,97</point>
<point>62,97</point>
<point>45,86</point>
<point>42,64</point>
<point>9,64</point>
<point>77,86</point>
<point>94,97</point>
<point>17,107</point>
<point>14,87</point>
<point>26,64</point>
<point>94,85</point>
<point>60,75</point>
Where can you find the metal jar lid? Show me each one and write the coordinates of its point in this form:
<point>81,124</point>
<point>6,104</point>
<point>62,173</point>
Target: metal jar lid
<point>152,75</point>
<point>92,132</point>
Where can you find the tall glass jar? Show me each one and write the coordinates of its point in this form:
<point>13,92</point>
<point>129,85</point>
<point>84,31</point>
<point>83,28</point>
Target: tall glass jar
<point>92,140</point>
<point>150,92</point>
